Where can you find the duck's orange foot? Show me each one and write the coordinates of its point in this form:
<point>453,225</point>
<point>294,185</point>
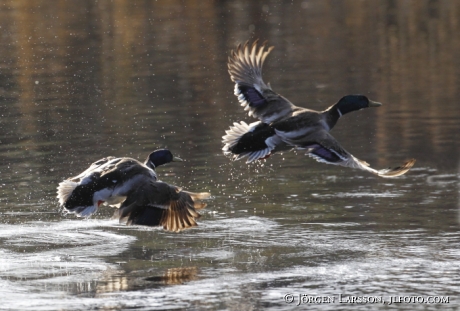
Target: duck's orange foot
<point>266,157</point>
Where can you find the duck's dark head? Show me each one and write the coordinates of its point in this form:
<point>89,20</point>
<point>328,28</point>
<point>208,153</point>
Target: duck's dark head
<point>351,103</point>
<point>345,105</point>
<point>160,157</point>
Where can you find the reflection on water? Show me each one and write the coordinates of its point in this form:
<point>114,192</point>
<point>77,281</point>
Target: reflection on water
<point>82,79</point>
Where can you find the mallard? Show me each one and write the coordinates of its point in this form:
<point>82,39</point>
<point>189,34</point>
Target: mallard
<point>284,126</point>
<point>134,188</point>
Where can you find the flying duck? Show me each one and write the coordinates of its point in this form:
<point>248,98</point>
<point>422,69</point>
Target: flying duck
<point>134,188</point>
<point>284,126</point>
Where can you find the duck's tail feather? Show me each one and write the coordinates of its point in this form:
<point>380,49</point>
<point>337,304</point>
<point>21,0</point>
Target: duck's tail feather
<point>65,189</point>
<point>235,133</point>
<point>255,141</point>
<point>76,198</point>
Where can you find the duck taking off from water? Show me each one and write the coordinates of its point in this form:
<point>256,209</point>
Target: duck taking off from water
<point>284,126</point>
<point>134,188</point>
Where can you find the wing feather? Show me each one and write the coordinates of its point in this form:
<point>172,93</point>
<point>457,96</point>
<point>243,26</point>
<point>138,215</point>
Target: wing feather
<point>245,68</point>
<point>324,148</point>
<point>160,204</point>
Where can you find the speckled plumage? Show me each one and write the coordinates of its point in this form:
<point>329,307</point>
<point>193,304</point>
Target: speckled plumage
<point>284,126</point>
<point>134,188</point>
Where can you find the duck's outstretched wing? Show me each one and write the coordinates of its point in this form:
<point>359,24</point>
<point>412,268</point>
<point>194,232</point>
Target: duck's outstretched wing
<point>245,68</point>
<point>160,204</point>
<point>325,149</point>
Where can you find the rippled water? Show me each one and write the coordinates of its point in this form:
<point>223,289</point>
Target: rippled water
<point>82,80</point>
